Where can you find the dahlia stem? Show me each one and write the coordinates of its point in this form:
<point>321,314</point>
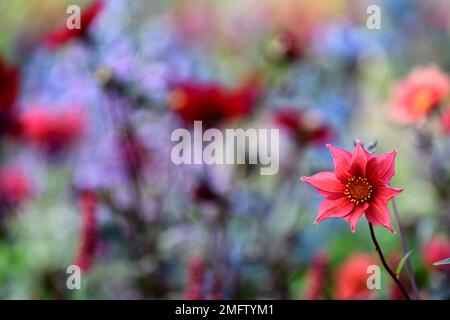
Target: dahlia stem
<point>409,268</point>
<point>383,260</point>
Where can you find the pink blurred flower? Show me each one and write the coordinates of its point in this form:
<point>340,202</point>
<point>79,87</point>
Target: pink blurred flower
<point>419,94</point>
<point>445,121</point>
<point>350,279</point>
<point>195,288</point>
<point>52,130</point>
<point>64,35</point>
<point>14,186</point>
<point>436,249</point>
<point>359,184</point>
<point>194,21</point>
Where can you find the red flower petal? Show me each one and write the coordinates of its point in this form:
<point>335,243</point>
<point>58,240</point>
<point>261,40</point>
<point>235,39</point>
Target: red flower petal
<point>386,193</point>
<point>359,161</point>
<point>337,208</point>
<point>369,155</point>
<point>386,165</point>
<point>342,159</point>
<point>378,214</point>
<point>325,183</point>
<point>355,215</point>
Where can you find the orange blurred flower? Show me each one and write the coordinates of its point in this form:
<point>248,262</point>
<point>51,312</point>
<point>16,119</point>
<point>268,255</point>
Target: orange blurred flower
<point>350,280</point>
<point>419,94</point>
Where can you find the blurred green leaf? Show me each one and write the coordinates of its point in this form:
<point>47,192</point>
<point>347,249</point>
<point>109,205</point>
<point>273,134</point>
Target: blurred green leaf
<point>402,263</point>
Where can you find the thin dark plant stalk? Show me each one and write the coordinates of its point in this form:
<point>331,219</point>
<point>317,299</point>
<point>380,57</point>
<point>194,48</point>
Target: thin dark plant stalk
<point>409,268</point>
<point>383,260</point>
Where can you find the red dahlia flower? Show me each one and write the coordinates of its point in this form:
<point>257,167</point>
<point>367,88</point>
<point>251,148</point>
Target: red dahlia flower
<point>358,185</point>
<point>212,104</point>
<point>419,94</point>
<point>64,35</point>
<point>351,278</point>
<point>303,126</point>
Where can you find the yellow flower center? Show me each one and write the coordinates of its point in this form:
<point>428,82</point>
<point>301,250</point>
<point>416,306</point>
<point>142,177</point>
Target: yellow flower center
<point>177,99</point>
<point>422,101</point>
<point>358,190</point>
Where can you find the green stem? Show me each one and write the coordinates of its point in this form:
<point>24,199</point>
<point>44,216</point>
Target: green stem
<point>383,260</point>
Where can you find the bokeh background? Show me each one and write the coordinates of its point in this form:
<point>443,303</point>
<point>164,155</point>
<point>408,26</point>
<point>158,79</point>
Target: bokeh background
<point>86,117</point>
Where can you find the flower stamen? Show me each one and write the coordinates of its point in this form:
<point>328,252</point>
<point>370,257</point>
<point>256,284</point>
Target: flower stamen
<point>358,190</point>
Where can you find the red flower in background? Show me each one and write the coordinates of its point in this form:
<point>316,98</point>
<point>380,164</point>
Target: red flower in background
<point>317,277</point>
<point>9,86</point>
<point>285,47</point>
<point>64,35</point>
<point>358,185</point>
<point>204,192</point>
<point>53,131</point>
<point>134,153</point>
<point>195,289</point>
<point>14,187</point>
<point>445,121</point>
<point>211,103</point>
<point>88,237</point>
<point>303,126</point>
<point>9,89</point>
<point>419,94</point>
<point>436,249</point>
<point>350,280</point>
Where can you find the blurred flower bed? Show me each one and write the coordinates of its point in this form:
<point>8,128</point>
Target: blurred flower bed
<point>86,176</point>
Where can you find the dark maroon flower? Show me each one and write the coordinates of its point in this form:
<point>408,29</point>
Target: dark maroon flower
<point>204,192</point>
<point>317,277</point>
<point>285,47</point>
<point>9,86</point>
<point>211,103</point>
<point>303,126</point>
<point>9,89</point>
<point>134,153</point>
<point>64,35</point>
<point>88,235</point>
